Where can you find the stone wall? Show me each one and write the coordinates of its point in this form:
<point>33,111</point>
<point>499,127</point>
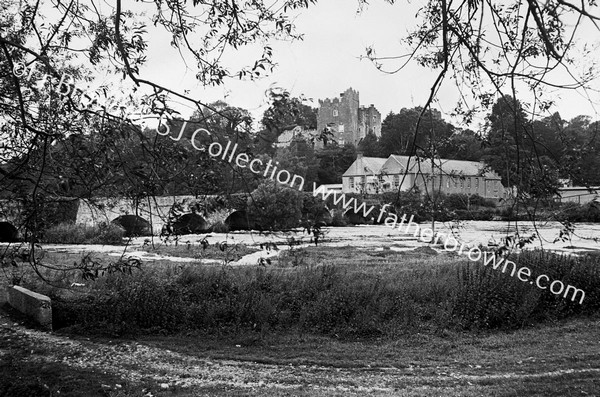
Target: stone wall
<point>154,209</point>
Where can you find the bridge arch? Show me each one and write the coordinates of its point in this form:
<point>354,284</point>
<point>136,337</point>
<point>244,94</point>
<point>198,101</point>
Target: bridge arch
<point>8,232</point>
<point>134,225</point>
<point>240,220</point>
<point>190,223</point>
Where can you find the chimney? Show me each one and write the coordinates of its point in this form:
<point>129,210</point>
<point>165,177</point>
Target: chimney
<point>359,155</point>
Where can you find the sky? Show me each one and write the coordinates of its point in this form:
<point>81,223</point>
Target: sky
<point>327,62</point>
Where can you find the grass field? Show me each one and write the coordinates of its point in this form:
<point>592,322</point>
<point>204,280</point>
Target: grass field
<point>317,321</point>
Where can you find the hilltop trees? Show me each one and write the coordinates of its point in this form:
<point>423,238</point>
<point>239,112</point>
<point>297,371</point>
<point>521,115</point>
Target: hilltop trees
<point>370,146</point>
<point>334,160</point>
<point>462,145</point>
<point>397,131</point>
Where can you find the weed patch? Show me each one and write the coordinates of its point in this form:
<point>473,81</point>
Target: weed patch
<point>399,294</point>
<point>70,233</point>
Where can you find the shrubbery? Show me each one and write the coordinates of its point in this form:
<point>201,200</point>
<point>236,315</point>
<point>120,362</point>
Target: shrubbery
<point>487,298</point>
<point>465,201</point>
<point>314,209</point>
<point>338,218</point>
<point>327,299</point>
<point>220,227</point>
<point>274,207</point>
<point>70,233</point>
<point>573,212</point>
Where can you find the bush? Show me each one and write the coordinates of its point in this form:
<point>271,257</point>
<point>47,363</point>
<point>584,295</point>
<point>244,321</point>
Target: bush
<point>485,214</point>
<point>274,207</point>
<point>69,233</point>
<point>109,234</point>
<point>411,204</point>
<point>479,201</point>
<point>460,201</point>
<point>220,227</point>
<point>338,218</point>
<point>314,209</point>
<point>573,212</point>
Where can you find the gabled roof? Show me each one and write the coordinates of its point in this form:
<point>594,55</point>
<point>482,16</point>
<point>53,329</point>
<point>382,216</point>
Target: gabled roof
<point>442,166</point>
<point>365,166</point>
<point>396,164</point>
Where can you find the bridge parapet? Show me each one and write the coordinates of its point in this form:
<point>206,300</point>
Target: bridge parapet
<point>155,210</point>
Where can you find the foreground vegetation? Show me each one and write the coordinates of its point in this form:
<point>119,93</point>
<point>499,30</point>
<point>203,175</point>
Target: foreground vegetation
<point>358,294</point>
<point>70,233</point>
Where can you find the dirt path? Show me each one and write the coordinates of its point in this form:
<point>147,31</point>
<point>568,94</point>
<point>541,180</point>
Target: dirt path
<point>148,369</point>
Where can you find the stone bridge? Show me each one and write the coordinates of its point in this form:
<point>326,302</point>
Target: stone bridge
<point>154,210</point>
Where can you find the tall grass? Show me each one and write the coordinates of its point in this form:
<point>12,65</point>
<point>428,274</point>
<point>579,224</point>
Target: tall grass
<point>328,299</point>
<point>487,298</point>
<point>70,233</point>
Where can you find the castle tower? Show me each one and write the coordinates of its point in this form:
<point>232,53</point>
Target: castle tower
<point>369,121</point>
<point>341,116</point>
<point>347,120</point>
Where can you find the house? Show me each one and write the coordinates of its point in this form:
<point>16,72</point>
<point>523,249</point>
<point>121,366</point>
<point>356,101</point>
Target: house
<point>374,175</point>
<point>286,138</point>
<point>579,194</point>
<point>363,175</point>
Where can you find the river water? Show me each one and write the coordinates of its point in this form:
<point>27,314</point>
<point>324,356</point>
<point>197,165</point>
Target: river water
<point>585,238</point>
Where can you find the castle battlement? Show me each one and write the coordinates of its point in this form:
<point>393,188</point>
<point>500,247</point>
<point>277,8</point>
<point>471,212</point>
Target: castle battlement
<point>348,120</point>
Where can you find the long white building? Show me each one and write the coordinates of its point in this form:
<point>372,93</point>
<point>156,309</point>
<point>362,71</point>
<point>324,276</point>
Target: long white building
<point>374,175</point>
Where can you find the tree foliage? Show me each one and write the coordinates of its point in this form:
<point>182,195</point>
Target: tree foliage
<point>501,55</point>
<point>275,207</point>
<point>63,131</point>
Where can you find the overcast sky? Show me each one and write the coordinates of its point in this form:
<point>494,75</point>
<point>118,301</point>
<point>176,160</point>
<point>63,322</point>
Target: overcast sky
<point>328,62</point>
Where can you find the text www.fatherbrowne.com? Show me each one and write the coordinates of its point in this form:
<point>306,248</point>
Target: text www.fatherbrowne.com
<point>474,253</point>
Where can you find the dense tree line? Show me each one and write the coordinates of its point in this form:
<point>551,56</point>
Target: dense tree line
<point>531,155</point>
<point>136,162</point>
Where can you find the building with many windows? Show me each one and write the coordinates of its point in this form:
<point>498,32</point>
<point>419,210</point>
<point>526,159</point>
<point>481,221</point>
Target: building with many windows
<point>372,175</point>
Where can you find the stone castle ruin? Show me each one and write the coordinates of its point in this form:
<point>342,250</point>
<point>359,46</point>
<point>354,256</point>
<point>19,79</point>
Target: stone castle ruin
<point>348,121</point>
